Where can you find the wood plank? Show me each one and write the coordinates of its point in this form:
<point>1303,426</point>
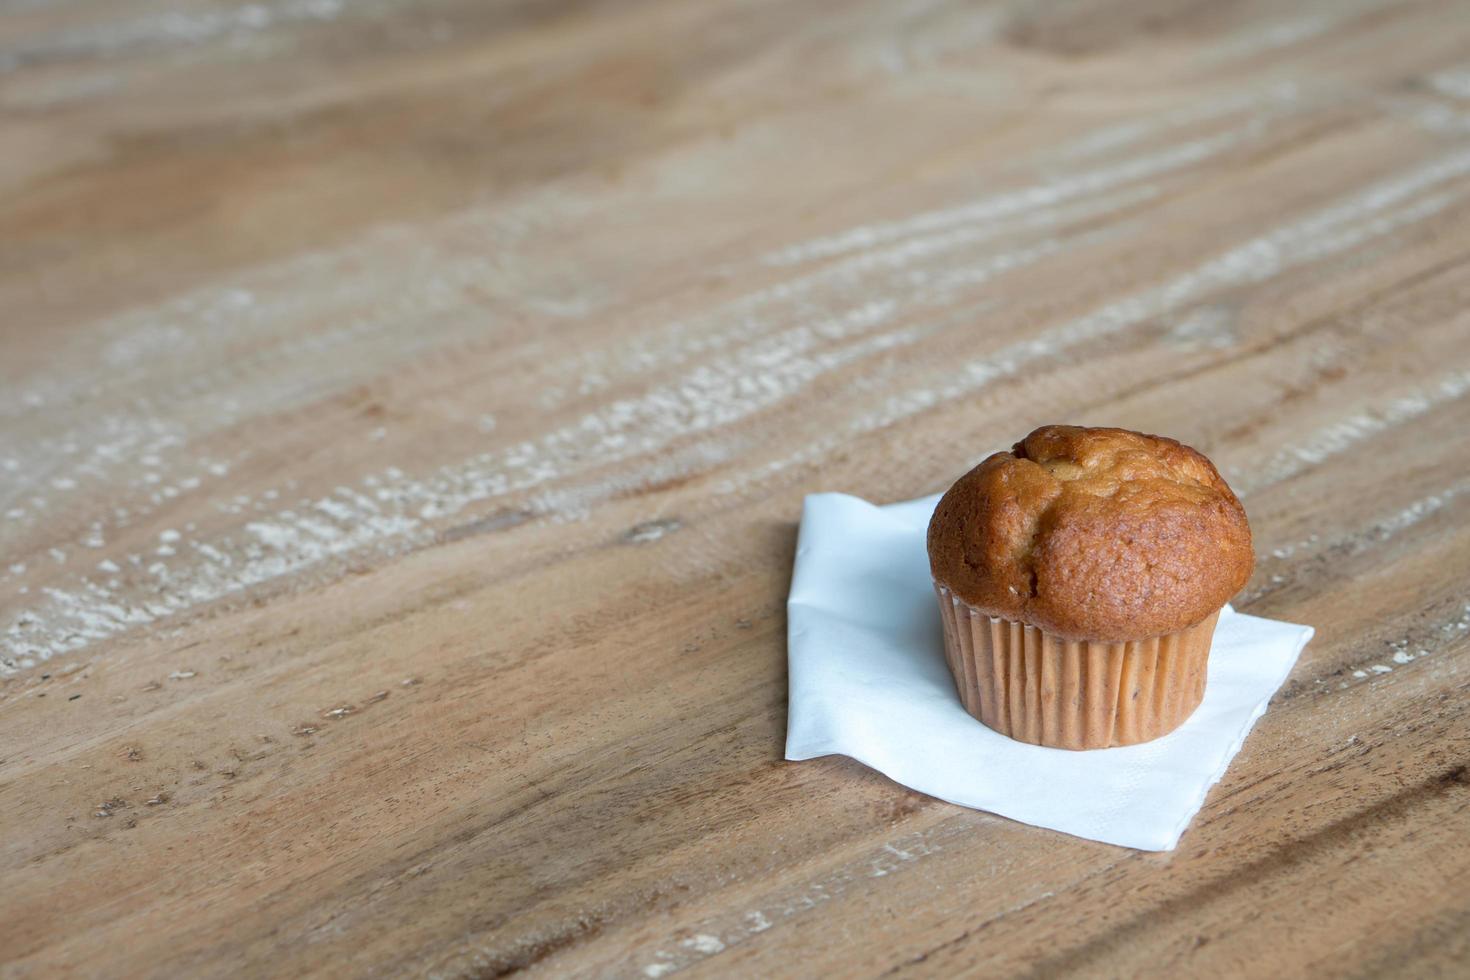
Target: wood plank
<point>405,410</point>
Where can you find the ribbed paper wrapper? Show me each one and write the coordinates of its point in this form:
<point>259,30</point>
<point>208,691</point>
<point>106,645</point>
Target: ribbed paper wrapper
<point>1072,694</point>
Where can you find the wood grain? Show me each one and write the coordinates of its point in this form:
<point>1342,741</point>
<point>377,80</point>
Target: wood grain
<point>405,410</point>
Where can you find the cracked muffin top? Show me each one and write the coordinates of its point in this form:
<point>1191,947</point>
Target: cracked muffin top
<point>1095,534</point>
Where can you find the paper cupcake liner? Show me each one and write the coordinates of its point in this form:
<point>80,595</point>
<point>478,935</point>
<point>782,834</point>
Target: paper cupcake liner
<point>1072,694</point>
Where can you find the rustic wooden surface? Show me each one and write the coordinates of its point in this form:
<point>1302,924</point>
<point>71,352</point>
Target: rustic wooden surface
<point>405,410</point>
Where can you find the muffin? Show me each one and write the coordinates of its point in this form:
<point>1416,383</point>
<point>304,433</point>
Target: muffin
<point>1079,578</point>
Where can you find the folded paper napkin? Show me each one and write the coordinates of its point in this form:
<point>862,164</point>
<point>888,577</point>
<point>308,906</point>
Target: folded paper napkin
<point>868,680</point>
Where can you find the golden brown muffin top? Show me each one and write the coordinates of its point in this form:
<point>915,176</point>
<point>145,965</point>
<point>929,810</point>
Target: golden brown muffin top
<point>1098,534</point>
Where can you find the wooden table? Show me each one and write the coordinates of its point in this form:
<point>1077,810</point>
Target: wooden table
<point>405,410</point>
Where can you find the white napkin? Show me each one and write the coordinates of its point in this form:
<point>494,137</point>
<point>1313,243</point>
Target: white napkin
<point>868,680</point>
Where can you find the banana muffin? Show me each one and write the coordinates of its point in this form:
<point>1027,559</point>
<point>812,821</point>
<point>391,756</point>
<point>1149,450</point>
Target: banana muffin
<point>1079,577</point>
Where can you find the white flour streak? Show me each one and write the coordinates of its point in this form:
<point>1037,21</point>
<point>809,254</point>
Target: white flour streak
<point>910,44</point>
<point>1418,511</point>
<point>1286,33</point>
<point>49,93</point>
<point>116,413</point>
<point>1022,201</point>
<point>715,936</point>
<point>393,511</point>
<point>1271,37</point>
<point>166,28</point>
<point>235,347</point>
<point>882,273</point>
<point>1436,117</point>
<point>1346,433</point>
<point>1333,230</point>
<point>213,325</point>
<point>944,283</point>
<point>1360,540</point>
<point>449,282</point>
<point>109,441</point>
<point>1454,82</point>
<point>1205,326</point>
<point>1116,137</point>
